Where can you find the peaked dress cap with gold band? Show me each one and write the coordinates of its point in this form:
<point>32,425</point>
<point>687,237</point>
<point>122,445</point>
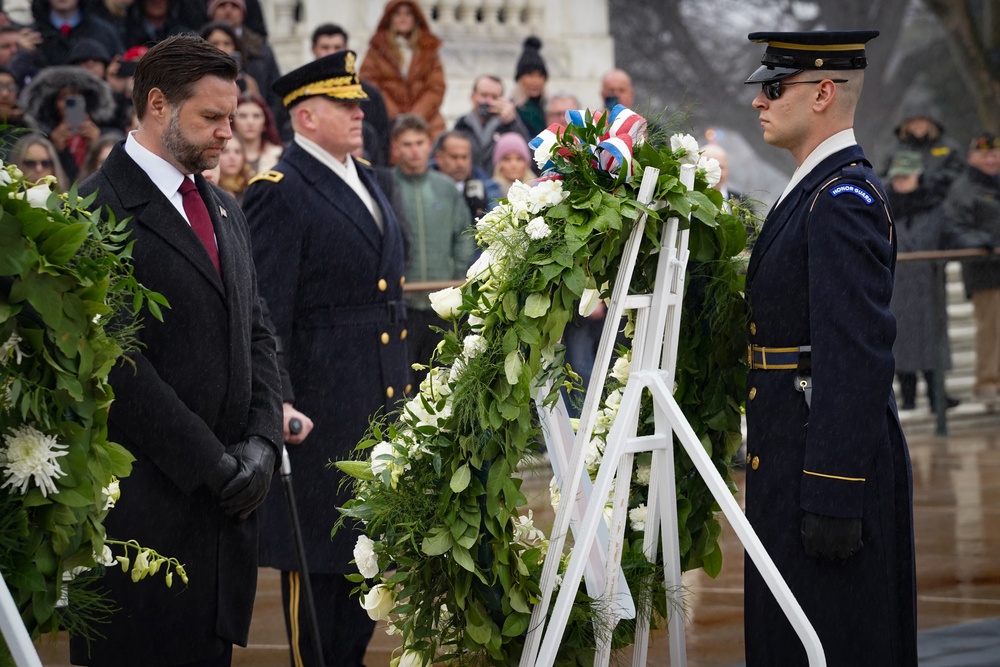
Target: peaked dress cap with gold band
<point>789,53</point>
<point>335,76</point>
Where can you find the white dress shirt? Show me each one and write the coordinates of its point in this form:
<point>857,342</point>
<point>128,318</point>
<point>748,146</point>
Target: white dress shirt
<point>838,142</point>
<point>164,175</point>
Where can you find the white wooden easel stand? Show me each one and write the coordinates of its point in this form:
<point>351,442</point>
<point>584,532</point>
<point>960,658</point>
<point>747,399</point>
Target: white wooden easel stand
<point>654,357</point>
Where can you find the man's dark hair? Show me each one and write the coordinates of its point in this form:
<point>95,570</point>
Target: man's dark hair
<point>452,134</point>
<point>175,65</point>
<point>409,121</point>
<point>328,29</point>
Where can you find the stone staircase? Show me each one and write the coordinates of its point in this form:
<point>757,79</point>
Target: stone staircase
<point>960,379</point>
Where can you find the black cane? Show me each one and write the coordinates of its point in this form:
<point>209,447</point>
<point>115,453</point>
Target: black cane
<point>295,426</point>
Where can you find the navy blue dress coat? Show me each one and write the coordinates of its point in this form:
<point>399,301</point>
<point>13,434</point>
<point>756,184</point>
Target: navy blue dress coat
<point>204,378</point>
<point>334,286</point>
<point>821,274</point>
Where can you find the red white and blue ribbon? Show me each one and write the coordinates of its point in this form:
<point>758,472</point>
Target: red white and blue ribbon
<point>614,150</point>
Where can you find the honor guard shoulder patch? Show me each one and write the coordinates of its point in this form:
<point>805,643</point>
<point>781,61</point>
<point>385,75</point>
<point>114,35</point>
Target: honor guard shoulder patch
<point>363,161</point>
<point>854,190</point>
<point>270,175</point>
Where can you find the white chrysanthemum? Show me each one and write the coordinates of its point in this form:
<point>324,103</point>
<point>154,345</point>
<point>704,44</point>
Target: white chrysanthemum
<point>711,169</point>
<point>456,370</point>
<point>622,369</point>
<point>364,556</point>
<point>642,474</point>
<point>637,517</point>
<point>378,602</point>
<point>31,455</point>
<point>473,346</point>
<point>595,452</point>
<point>447,303</point>
<point>537,229</point>
<point>12,348</point>
<point>689,145</point>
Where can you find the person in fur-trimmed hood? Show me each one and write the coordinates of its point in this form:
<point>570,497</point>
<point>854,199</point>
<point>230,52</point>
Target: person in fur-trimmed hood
<point>403,62</point>
<point>44,101</point>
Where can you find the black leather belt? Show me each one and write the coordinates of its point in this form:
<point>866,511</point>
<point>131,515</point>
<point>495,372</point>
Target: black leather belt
<point>775,358</point>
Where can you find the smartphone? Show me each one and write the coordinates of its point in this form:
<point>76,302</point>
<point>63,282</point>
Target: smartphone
<point>610,102</point>
<point>75,111</point>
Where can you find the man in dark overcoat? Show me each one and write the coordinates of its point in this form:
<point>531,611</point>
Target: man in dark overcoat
<point>198,404</point>
<point>329,255</point>
<point>829,487</point>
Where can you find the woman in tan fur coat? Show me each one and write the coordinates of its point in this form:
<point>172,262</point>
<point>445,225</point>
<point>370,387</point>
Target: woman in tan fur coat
<point>403,62</point>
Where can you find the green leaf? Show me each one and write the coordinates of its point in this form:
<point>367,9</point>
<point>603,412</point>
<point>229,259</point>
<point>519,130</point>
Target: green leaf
<point>437,543</point>
<point>63,244</point>
<point>460,479</point>
<point>537,304</point>
<point>512,366</point>
<point>510,306</point>
<point>515,625</point>
<point>357,469</point>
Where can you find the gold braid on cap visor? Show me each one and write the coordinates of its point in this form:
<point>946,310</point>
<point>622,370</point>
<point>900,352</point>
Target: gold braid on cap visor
<point>341,87</point>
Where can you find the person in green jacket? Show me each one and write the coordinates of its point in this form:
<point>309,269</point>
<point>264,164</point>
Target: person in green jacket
<point>441,233</point>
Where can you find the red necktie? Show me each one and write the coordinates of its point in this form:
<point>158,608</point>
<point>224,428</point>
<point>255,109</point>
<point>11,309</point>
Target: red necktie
<point>200,221</point>
<point>64,29</point>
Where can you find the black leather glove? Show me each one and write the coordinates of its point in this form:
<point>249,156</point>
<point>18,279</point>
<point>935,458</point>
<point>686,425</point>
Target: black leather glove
<point>224,471</point>
<point>247,490</point>
<point>830,537</point>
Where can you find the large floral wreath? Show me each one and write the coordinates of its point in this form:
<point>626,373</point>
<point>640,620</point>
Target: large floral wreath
<point>68,303</point>
<point>449,556</point>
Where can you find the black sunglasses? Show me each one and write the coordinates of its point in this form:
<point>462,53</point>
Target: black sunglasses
<point>772,89</point>
<point>37,164</point>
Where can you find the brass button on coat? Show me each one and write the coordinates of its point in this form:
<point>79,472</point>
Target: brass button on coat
<point>402,280</point>
<point>402,335</point>
<point>382,285</point>
<point>390,392</point>
<point>408,388</point>
<point>753,393</point>
<point>753,329</point>
<point>385,338</point>
<point>755,463</point>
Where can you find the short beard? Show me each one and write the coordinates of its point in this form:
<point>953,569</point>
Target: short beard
<point>187,154</point>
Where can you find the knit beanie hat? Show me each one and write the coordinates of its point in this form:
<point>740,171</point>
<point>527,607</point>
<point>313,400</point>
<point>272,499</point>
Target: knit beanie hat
<point>213,5</point>
<point>531,59</point>
<point>511,142</point>
<point>88,49</point>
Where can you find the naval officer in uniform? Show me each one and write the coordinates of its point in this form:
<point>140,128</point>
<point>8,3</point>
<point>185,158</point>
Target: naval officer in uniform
<point>329,256</point>
<point>829,486</point>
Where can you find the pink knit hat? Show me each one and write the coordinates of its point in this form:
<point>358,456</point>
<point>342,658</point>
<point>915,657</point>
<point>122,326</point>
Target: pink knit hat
<point>511,142</point>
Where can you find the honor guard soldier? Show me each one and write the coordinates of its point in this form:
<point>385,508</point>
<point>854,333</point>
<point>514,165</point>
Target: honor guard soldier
<point>829,487</point>
<point>329,256</point>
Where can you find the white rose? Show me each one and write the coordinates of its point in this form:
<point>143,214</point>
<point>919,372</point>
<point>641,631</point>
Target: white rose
<point>480,268</point>
<point>546,194</point>
<point>378,602</point>
<point>447,302</point>
<point>687,144</point>
<point>711,168</point>
<point>382,457</point>
<point>410,659</point>
<point>642,475</point>
<point>637,517</point>
<point>588,302</point>
<point>38,195</point>
<point>622,369</point>
<point>537,229</point>
<point>473,346</point>
<point>364,556</point>
<point>476,322</point>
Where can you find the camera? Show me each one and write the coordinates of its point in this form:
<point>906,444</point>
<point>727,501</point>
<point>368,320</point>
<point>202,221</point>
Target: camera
<point>485,110</point>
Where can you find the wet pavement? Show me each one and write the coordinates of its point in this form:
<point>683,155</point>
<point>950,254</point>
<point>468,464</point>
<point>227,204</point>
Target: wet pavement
<point>957,518</point>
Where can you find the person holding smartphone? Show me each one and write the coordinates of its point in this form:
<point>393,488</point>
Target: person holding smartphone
<point>71,105</point>
<point>492,115</point>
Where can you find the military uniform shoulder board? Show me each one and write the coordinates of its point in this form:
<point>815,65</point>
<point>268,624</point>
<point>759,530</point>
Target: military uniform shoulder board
<point>270,175</point>
<point>363,161</point>
<point>938,151</point>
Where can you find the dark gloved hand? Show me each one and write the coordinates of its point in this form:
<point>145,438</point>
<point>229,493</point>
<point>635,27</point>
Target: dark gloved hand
<point>247,490</point>
<point>830,537</point>
<point>224,471</point>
